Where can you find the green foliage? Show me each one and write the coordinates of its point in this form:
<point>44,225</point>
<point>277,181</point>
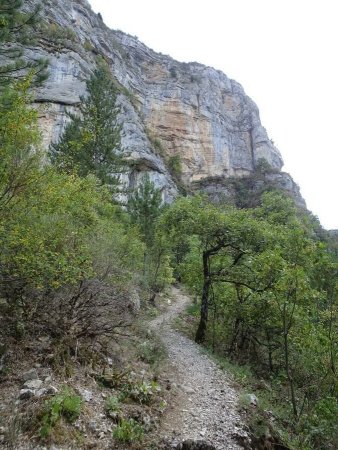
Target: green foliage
<point>112,404</point>
<point>128,430</point>
<point>144,207</point>
<point>193,309</point>
<point>152,352</point>
<point>278,209</point>
<point>91,142</point>
<point>16,29</point>
<point>88,46</point>
<point>157,270</point>
<point>175,165</point>
<point>263,166</point>
<point>319,425</point>
<point>130,387</point>
<point>65,405</point>
<point>57,231</point>
<point>155,142</point>
<point>143,392</point>
<point>158,145</point>
<point>57,35</point>
<point>19,137</point>
<point>268,294</point>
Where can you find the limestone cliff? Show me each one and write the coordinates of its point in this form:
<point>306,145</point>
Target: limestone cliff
<point>168,108</point>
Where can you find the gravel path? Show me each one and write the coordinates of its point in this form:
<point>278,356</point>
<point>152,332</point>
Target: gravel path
<point>204,406</point>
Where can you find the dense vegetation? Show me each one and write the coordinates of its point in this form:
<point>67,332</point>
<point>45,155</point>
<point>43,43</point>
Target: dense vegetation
<point>268,290</point>
<point>65,246</point>
<point>265,281</point>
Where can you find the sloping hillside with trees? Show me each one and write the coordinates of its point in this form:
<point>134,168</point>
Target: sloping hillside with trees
<point>81,275</point>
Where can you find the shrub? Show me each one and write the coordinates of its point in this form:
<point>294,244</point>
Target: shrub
<point>65,405</point>
<point>128,431</point>
<point>88,46</point>
<point>112,404</point>
<point>143,392</point>
<point>175,165</point>
<point>151,352</point>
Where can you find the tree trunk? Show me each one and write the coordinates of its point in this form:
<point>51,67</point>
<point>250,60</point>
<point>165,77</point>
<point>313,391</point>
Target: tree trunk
<point>287,365</point>
<point>200,333</point>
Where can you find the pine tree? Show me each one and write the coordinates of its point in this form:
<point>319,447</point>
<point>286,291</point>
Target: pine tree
<point>144,207</point>
<point>17,29</point>
<point>92,140</point>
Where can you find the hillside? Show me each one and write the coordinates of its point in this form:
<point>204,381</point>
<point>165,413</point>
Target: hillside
<point>162,285</point>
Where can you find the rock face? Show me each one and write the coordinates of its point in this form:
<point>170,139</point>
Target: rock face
<point>169,109</point>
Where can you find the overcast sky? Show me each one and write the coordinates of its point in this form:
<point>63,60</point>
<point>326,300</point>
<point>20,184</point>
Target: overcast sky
<point>283,52</point>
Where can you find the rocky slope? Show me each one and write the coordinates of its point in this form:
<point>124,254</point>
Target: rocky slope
<point>169,108</point>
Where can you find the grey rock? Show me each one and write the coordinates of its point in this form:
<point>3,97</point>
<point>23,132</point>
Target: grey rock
<point>41,392</point>
<point>189,444</point>
<point>189,390</point>
<point>25,394</point>
<point>31,374</point>
<point>109,361</point>
<point>251,399</point>
<point>168,108</point>
<point>51,390</point>
<point>32,384</point>
<point>86,395</point>
<point>93,426</point>
<point>135,301</point>
<point>284,181</point>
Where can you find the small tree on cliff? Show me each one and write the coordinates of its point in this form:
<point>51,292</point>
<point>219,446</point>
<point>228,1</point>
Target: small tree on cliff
<point>92,140</point>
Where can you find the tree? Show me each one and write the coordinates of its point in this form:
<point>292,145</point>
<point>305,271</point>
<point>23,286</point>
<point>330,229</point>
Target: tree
<point>19,138</point>
<point>268,297</point>
<point>91,141</point>
<point>227,239</point>
<point>17,29</point>
<point>144,207</point>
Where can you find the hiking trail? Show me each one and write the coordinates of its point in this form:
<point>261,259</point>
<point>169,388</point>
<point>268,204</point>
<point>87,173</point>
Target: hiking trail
<point>204,404</point>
